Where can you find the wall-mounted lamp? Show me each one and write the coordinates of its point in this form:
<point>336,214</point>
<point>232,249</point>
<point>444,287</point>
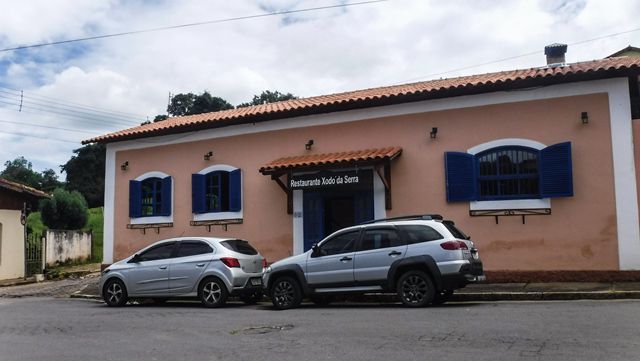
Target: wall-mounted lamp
<point>125,165</point>
<point>434,133</point>
<point>309,144</point>
<point>208,155</point>
<point>584,116</point>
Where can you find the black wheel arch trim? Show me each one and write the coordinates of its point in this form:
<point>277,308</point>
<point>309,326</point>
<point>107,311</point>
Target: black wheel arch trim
<point>415,262</point>
<point>298,274</point>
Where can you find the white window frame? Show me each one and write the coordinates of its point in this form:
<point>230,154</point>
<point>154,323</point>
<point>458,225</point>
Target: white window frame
<point>219,216</point>
<point>155,219</point>
<point>510,203</point>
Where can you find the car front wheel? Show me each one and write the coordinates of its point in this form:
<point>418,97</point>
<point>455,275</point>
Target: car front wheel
<point>286,293</point>
<point>212,292</point>
<point>115,293</point>
<point>415,289</point>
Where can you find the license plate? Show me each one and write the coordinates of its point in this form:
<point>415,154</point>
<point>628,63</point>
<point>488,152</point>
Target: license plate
<point>256,281</point>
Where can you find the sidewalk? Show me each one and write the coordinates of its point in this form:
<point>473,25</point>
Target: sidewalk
<point>502,292</point>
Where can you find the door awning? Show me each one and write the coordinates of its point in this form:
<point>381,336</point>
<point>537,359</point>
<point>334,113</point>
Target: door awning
<point>380,159</point>
<point>331,160</point>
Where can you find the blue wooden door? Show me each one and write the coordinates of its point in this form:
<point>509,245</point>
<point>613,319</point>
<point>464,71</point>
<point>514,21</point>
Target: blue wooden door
<point>363,203</point>
<point>313,213</point>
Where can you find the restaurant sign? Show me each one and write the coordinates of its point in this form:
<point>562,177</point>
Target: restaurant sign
<point>362,178</point>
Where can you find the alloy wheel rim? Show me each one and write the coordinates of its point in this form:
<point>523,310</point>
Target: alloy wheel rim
<point>414,289</point>
<point>212,292</point>
<point>284,293</point>
<point>114,293</point>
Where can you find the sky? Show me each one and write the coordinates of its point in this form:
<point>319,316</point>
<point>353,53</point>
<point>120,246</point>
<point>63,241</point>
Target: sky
<point>53,97</point>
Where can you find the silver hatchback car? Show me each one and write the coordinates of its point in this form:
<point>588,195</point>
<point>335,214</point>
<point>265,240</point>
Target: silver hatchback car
<point>209,268</point>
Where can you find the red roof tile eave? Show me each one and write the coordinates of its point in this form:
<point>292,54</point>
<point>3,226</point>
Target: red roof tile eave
<point>344,104</point>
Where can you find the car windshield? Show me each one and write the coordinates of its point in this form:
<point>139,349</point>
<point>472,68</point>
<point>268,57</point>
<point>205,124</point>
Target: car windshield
<point>240,246</point>
<point>455,231</point>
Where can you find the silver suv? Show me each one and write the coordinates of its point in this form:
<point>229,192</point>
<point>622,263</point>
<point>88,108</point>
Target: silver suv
<point>421,258</point>
<point>206,267</point>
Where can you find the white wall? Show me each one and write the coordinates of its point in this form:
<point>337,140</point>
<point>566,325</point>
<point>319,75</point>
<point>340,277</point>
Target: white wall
<point>11,245</point>
<point>64,246</point>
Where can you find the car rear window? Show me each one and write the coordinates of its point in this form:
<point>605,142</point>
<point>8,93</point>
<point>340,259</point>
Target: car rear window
<point>455,231</point>
<point>240,246</point>
<point>418,234</point>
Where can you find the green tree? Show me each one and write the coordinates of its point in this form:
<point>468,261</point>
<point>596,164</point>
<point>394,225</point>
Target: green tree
<point>188,104</point>
<point>21,170</point>
<point>49,181</point>
<point>64,210</point>
<point>85,173</point>
<point>268,96</point>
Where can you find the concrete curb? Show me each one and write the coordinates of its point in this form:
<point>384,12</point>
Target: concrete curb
<point>87,296</point>
<point>545,296</point>
<point>19,282</point>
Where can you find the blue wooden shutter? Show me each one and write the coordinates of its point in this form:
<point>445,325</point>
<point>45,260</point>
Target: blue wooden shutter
<point>556,174</point>
<point>166,197</point>
<point>363,202</point>
<point>135,199</point>
<point>461,179</point>
<point>235,191</point>
<point>198,193</point>
<point>313,219</point>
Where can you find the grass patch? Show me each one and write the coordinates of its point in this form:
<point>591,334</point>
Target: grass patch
<point>95,225</point>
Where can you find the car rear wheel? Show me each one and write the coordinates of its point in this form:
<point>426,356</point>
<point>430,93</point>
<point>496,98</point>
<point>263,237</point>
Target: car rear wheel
<point>442,297</point>
<point>286,293</point>
<point>212,292</point>
<point>415,289</point>
<point>115,293</point>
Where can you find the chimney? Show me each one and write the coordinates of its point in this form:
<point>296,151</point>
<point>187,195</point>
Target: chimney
<point>555,54</point>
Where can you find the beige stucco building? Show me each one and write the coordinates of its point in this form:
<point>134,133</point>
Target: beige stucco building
<point>15,200</point>
<point>537,165</point>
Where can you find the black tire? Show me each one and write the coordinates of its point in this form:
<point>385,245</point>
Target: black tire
<point>115,293</point>
<point>212,292</point>
<point>442,297</point>
<point>285,293</point>
<point>321,300</point>
<point>251,298</point>
<point>415,289</point>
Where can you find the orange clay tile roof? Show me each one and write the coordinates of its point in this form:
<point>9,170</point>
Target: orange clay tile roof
<point>314,160</point>
<point>432,89</point>
<point>21,188</point>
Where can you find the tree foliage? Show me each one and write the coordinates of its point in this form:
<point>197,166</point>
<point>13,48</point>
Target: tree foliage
<point>21,170</point>
<point>188,104</point>
<point>268,96</point>
<point>65,210</point>
<point>85,173</point>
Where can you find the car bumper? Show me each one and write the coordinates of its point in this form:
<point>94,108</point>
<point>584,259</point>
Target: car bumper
<point>470,272</point>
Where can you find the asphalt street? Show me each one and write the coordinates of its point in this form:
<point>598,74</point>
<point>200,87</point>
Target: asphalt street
<point>45,328</point>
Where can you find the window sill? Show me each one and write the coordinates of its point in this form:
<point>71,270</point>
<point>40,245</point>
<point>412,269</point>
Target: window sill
<point>217,216</point>
<point>151,220</point>
<point>513,204</point>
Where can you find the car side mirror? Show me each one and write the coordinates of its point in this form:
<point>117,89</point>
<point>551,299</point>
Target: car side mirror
<point>315,250</point>
<point>135,258</point>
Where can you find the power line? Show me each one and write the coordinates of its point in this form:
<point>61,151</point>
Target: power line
<point>47,127</point>
<point>217,21</point>
<point>73,104</point>
<point>515,56</point>
<point>38,137</point>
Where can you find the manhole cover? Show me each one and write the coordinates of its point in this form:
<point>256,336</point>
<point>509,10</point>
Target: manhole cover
<point>259,330</point>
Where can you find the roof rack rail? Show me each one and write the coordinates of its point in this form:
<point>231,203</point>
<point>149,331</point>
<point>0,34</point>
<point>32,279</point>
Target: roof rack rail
<point>418,217</point>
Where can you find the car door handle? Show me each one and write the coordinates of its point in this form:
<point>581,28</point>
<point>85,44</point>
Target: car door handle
<point>345,258</point>
<point>163,267</point>
<point>394,253</point>
<point>200,265</point>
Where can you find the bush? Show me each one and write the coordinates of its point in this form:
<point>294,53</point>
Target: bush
<point>64,211</point>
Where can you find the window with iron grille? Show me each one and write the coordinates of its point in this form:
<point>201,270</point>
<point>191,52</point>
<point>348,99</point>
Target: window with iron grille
<point>151,197</point>
<point>217,190</point>
<point>508,173</point>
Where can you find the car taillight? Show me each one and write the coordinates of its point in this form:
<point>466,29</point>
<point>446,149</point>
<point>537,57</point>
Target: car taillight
<point>453,245</point>
<point>264,263</point>
<point>230,262</point>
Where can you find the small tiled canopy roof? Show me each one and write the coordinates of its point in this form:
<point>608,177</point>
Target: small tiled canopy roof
<point>331,159</point>
<point>21,188</point>
<point>397,94</point>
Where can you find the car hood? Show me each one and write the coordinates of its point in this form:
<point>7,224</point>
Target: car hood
<point>299,259</point>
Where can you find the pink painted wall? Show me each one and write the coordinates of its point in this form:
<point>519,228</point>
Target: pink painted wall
<point>579,235</point>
